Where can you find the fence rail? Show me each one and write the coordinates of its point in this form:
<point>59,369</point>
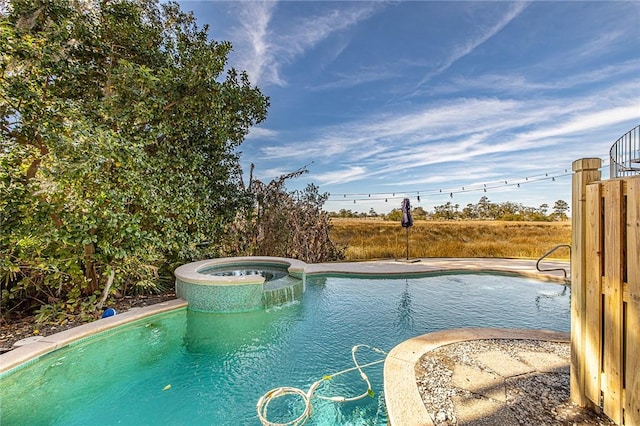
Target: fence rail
<point>605,312</point>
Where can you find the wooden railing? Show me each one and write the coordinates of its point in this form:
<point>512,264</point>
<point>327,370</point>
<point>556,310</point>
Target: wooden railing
<point>605,293</point>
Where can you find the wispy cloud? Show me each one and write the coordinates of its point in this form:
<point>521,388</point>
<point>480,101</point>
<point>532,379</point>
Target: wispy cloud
<point>459,132</point>
<point>255,50</point>
<point>343,175</point>
<point>520,83</point>
<point>470,45</point>
<point>267,50</point>
<point>262,133</point>
<point>364,75</point>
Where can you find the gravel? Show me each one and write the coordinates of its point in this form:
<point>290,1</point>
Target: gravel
<point>532,398</point>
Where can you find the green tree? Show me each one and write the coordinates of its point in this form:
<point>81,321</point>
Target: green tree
<point>560,209</point>
<point>394,215</point>
<point>446,211</point>
<point>544,208</point>
<point>470,212</point>
<point>118,135</point>
<point>484,208</point>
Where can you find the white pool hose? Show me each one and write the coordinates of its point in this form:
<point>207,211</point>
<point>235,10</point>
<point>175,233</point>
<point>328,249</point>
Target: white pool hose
<point>263,403</point>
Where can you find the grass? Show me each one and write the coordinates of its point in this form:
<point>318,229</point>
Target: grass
<point>378,239</point>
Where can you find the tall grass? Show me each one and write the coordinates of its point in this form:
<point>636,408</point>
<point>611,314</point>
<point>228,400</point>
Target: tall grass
<point>377,239</point>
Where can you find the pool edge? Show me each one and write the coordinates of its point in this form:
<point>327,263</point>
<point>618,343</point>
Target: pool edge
<point>26,353</point>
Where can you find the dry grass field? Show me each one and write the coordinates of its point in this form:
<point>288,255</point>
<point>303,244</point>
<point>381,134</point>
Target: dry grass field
<point>378,239</point>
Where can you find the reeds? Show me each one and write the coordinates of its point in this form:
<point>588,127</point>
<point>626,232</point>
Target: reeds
<point>378,239</point>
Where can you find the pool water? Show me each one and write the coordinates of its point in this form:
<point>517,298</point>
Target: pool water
<point>196,368</point>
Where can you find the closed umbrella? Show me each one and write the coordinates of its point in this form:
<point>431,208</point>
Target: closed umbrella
<point>407,221</point>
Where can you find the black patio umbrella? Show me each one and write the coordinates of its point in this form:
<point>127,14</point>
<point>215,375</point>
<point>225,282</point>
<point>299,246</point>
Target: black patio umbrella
<point>407,221</point>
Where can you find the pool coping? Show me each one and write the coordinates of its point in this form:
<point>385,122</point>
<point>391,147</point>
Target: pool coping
<point>190,272</point>
<point>28,352</point>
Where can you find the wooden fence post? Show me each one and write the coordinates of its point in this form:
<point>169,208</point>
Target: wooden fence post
<point>585,170</point>
<point>632,393</point>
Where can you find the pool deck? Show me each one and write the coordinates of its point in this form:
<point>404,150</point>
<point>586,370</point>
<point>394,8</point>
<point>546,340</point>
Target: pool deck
<point>404,404</point>
<point>523,267</point>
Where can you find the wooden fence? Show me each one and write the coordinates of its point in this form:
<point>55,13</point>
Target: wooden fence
<point>605,293</point>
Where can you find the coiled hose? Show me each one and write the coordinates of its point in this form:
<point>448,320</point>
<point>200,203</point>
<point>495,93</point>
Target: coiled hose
<point>263,403</point>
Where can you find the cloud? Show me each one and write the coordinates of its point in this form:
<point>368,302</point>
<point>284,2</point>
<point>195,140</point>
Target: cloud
<point>460,51</point>
<point>262,133</point>
<point>266,49</point>
<point>519,83</point>
<point>253,47</point>
<point>464,131</point>
<point>342,175</point>
<point>362,76</point>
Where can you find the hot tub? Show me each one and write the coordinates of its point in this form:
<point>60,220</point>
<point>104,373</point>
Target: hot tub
<point>240,284</point>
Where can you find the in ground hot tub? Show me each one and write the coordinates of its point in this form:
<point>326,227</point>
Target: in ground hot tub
<point>240,284</point>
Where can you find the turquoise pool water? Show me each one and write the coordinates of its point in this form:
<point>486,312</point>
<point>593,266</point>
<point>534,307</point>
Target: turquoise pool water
<point>195,368</point>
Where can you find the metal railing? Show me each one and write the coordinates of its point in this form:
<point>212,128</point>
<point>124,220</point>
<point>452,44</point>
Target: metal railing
<point>564,271</point>
<point>625,155</point>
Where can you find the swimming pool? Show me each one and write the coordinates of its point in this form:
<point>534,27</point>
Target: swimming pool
<point>211,368</point>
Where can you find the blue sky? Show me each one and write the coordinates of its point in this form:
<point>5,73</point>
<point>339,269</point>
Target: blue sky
<point>382,100</point>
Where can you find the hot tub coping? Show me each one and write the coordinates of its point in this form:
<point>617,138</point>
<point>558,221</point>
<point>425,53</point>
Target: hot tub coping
<point>190,272</point>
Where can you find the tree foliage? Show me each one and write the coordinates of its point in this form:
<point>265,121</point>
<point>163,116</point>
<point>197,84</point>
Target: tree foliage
<point>287,224</point>
<point>484,209</point>
<point>118,131</point>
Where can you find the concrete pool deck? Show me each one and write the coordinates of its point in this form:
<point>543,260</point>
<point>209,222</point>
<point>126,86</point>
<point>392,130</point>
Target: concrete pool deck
<point>404,404</point>
<point>522,267</point>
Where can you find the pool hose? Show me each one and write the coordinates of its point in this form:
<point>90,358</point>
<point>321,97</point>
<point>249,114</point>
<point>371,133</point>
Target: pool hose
<point>263,403</point>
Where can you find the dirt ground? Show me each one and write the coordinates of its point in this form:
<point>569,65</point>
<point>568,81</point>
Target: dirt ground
<point>13,330</point>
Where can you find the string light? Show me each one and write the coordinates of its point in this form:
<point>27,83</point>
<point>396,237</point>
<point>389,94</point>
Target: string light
<point>467,188</point>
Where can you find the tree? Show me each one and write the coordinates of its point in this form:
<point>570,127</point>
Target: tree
<point>394,215</point>
<point>484,208</point>
<point>544,208</point>
<point>419,213</point>
<point>118,157</point>
<point>560,209</point>
<point>282,223</point>
<point>447,211</point>
<point>470,212</point>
